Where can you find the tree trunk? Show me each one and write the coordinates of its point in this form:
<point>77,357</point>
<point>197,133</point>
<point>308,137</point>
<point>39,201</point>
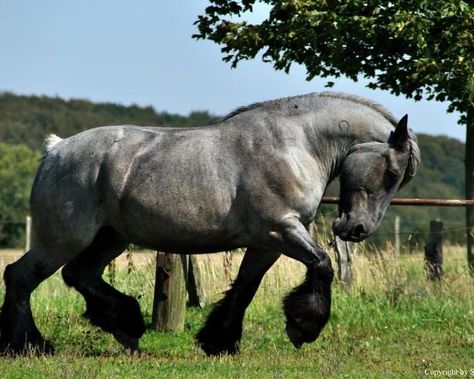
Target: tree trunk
<point>470,187</point>
<point>434,251</point>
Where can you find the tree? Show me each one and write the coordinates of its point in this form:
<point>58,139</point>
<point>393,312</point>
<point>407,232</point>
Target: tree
<point>18,164</point>
<point>422,48</point>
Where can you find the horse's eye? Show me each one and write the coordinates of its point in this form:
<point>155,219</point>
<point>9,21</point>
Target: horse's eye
<point>390,178</point>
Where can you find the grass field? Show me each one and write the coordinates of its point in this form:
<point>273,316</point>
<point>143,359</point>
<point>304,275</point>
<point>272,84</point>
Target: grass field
<point>393,324</point>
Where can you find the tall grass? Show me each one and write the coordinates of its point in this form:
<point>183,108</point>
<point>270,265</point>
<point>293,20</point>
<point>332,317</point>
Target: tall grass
<point>392,323</point>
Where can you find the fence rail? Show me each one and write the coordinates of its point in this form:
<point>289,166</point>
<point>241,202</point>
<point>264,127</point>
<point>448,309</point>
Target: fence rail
<point>409,201</point>
<point>414,201</point>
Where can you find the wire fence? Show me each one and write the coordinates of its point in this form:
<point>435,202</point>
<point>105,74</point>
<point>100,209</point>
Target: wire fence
<point>463,230</point>
<point>424,202</point>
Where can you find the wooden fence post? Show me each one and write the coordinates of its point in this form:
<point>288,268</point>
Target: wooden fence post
<point>396,232</point>
<point>196,294</point>
<point>28,234</point>
<point>434,251</point>
<point>169,303</point>
<point>344,261</point>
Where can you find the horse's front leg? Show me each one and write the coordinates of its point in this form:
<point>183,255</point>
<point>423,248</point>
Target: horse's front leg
<point>308,307</point>
<point>223,329</point>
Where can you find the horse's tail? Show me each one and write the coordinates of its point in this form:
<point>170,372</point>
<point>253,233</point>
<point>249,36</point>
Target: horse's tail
<point>49,142</point>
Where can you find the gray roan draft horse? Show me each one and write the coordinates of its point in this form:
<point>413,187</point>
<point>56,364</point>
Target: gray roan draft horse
<point>253,180</point>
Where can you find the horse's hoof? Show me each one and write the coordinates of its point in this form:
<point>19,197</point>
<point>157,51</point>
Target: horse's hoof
<point>126,341</point>
<point>306,317</point>
<point>299,335</point>
<point>215,343</point>
<point>212,349</point>
<point>303,327</point>
<point>295,335</point>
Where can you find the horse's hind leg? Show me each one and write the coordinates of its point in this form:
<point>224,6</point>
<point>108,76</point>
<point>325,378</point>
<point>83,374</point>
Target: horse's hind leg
<point>223,329</point>
<point>107,308</point>
<point>18,332</point>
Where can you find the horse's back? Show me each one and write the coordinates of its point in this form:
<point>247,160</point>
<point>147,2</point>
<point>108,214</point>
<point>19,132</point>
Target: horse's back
<point>148,183</point>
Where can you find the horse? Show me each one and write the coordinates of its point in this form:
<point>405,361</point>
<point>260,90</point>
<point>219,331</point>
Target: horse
<point>253,180</point>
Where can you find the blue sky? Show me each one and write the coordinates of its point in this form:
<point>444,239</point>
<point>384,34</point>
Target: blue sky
<point>141,52</point>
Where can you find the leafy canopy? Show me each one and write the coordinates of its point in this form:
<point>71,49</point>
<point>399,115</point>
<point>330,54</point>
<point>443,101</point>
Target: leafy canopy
<point>18,164</point>
<point>409,47</point>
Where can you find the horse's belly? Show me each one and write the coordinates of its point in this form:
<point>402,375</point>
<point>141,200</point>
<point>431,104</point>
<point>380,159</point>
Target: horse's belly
<point>175,219</point>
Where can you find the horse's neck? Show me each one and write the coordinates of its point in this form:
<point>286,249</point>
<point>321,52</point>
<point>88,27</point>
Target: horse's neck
<point>331,139</point>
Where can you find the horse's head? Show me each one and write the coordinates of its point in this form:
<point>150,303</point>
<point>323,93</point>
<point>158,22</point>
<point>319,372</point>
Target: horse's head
<point>370,176</point>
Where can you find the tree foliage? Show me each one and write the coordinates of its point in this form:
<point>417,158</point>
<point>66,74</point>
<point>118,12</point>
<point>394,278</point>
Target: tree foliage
<point>407,47</point>
<point>18,164</point>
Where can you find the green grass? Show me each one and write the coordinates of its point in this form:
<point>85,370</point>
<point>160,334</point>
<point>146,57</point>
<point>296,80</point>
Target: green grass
<point>393,324</point>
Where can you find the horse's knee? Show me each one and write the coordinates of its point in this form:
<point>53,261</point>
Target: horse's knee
<point>75,276</point>
<point>13,276</point>
<point>107,308</point>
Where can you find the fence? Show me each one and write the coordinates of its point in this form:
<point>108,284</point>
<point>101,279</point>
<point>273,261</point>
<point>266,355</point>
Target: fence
<point>433,247</point>
<point>167,288</point>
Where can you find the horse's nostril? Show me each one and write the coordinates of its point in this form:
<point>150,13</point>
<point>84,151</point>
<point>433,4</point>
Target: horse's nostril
<point>359,231</point>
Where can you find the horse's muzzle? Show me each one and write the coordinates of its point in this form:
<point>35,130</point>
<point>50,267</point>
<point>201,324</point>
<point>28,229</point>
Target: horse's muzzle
<point>349,231</point>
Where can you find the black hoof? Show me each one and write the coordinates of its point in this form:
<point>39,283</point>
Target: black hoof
<point>300,331</point>
<point>120,316</point>
<point>19,335</point>
<point>126,341</point>
<point>218,340</point>
<point>307,309</point>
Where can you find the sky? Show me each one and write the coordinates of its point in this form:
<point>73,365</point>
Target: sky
<point>142,53</point>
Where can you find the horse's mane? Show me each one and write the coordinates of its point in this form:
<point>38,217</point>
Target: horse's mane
<point>414,160</point>
<point>336,95</point>
<point>363,101</point>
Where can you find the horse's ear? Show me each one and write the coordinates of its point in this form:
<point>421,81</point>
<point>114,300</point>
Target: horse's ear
<point>399,137</point>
